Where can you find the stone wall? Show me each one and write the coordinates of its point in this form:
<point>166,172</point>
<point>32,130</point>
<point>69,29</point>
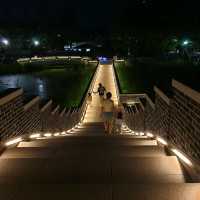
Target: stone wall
<point>17,118</point>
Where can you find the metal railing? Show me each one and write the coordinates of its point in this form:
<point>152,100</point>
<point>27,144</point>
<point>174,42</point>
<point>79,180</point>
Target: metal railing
<point>80,112</point>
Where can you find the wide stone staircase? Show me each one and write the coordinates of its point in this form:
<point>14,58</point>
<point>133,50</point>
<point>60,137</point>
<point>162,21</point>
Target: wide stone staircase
<point>89,165</point>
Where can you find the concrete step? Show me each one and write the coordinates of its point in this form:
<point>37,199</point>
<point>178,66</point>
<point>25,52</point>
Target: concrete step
<point>100,191</point>
<point>86,140</point>
<point>156,192</point>
<point>90,151</point>
<point>86,170</point>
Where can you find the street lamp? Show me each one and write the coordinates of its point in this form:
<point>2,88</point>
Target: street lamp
<point>5,42</point>
<point>36,43</point>
<point>186,42</point>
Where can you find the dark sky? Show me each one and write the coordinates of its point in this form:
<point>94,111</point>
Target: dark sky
<point>95,14</point>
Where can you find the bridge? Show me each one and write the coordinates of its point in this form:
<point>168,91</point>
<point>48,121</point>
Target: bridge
<point>52,154</point>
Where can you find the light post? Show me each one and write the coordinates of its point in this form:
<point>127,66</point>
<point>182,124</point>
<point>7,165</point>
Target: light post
<point>36,43</point>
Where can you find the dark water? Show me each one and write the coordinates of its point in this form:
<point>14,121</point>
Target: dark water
<point>64,87</point>
<point>31,84</point>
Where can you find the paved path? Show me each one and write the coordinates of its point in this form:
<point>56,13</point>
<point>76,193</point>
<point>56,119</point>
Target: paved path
<point>106,77</point>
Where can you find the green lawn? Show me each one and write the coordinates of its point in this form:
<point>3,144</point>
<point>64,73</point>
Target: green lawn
<point>67,86</point>
<point>64,84</point>
<point>140,77</point>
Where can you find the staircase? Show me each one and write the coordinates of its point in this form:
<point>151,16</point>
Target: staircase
<point>82,166</point>
<point>89,165</point>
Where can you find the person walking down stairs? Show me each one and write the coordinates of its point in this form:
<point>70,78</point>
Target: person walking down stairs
<point>101,90</point>
<point>108,112</point>
<point>89,99</point>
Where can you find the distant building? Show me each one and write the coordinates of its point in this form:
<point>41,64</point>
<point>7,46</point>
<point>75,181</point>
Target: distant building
<point>82,47</point>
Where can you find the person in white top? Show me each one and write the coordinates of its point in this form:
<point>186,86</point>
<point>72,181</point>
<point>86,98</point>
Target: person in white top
<point>108,112</point>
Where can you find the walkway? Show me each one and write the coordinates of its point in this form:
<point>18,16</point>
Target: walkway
<point>82,167</point>
<point>106,77</point>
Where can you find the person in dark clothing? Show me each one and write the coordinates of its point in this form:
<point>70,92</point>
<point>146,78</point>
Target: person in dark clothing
<point>101,90</point>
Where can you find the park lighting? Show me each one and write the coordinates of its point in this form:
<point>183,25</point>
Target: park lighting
<point>47,135</point>
<point>14,141</point>
<point>5,42</point>
<point>37,135</point>
<point>161,140</point>
<point>36,43</point>
<point>182,157</point>
<point>150,135</point>
<point>186,42</point>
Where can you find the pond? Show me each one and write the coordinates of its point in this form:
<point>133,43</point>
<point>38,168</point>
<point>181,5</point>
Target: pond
<point>65,86</point>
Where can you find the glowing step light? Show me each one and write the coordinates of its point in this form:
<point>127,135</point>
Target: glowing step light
<point>182,157</point>
<point>150,135</point>
<point>162,141</point>
<point>34,136</point>
<point>15,141</point>
<point>47,135</point>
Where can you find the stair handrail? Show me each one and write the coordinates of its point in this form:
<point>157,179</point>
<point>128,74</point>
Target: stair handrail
<point>83,108</point>
<point>116,84</point>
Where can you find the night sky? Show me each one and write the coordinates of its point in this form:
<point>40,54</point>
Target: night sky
<point>94,14</point>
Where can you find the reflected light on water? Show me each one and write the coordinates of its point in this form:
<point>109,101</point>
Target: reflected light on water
<point>32,85</point>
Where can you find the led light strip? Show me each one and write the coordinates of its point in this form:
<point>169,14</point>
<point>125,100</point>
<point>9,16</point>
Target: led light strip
<point>182,157</point>
<point>15,141</point>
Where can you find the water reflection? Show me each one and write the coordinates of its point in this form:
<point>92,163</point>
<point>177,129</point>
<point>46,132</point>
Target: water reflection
<point>32,85</point>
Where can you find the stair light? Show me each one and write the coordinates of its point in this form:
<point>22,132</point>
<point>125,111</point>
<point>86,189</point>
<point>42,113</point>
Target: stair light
<point>182,157</point>
<point>63,133</point>
<point>34,135</point>
<point>150,135</point>
<point>15,141</point>
<point>48,135</point>
<point>162,141</point>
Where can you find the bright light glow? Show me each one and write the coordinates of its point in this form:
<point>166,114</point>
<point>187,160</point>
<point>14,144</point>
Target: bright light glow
<point>122,60</point>
<point>36,43</point>
<point>5,42</point>
<point>186,42</point>
<point>63,133</point>
<point>88,50</point>
<point>136,133</point>
<point>141,134</point>
<point>15,141</point>
<point>150,135</point>
<point>35,135</point>
<point>162,141</point>
<point>182,157</point>
<point>56,134</point>
<point>47,135</point>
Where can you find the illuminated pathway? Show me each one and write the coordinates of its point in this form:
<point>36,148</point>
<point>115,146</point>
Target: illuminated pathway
<point>79,166</point>
<point>105,76</point>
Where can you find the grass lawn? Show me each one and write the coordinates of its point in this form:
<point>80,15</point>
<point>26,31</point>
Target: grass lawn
<point>64,84</point>
<point>140,77</point>
<point>67,86</point>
